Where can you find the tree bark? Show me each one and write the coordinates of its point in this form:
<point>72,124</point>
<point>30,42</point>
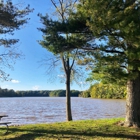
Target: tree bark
<point>133,103</point>
<point>68,98</point>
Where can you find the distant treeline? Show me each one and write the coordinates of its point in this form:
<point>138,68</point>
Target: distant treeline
<point>39,93</point>
<point>98,90</point>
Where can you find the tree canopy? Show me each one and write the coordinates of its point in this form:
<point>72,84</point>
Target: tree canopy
<point>119,36</point>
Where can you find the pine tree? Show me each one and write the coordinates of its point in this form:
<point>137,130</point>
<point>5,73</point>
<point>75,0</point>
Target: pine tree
<point>63,37</point>
<point>116,26</point>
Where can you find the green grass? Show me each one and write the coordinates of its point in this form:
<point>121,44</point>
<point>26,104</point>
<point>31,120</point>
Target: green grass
<point>75,130</point>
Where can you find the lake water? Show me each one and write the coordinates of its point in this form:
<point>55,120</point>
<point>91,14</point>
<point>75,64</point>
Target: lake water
<point>31,110</point>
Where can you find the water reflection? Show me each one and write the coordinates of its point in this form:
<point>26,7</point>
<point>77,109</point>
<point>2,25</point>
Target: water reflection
<point>30,110</point>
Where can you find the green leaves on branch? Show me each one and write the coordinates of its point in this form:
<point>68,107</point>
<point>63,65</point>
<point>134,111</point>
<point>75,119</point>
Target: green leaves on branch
<point>11,19</point>
<point>62,36</point>
<point>116,24</point>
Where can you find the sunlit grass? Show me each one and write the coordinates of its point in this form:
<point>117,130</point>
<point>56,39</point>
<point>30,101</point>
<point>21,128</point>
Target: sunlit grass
<point>74,130</point>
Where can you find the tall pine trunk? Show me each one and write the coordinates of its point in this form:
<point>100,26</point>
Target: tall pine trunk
<point>68,98</point>
<point>133,103</point>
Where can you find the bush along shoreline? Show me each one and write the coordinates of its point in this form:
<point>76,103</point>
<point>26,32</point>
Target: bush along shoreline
<point>105,91</point>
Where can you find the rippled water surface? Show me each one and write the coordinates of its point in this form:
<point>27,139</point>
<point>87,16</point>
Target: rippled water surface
<point>30,110</point>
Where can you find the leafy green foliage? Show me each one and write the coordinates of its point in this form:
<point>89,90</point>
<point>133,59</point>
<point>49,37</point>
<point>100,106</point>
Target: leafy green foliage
<point>85,94</point>
<point>115,24</point>
<point>62,36</point>
<point>105,91</point>
<point>108,91</point>
<point>12,18</point>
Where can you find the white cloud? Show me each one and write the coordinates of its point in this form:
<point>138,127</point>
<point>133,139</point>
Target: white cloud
<point>36,87</point>
<point>82,83</point>
<point>15,81</point>
<point>61,76</point>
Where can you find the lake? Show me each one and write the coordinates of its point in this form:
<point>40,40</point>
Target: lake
<point>31,110</point>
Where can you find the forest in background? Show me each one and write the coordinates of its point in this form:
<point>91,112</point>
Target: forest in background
<point>37,93</point>
<point>98,90</point>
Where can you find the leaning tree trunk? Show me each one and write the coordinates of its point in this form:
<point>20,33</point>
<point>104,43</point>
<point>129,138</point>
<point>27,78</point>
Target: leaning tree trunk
<point>68,98</point>
<point>133,103</point>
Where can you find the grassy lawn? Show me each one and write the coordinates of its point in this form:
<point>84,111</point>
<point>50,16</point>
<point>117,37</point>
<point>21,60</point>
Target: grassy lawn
<point>75,130</point>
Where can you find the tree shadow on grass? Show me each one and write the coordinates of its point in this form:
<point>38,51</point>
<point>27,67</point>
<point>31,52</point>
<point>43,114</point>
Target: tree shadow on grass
<point>69,134</point>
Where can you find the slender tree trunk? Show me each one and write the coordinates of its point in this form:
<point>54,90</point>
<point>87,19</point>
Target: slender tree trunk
<point>133,103</point>
<point>68,98</point>
<point>67,69</point>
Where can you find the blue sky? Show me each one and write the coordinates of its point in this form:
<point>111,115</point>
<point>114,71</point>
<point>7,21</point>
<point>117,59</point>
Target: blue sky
<point>28,72</point>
